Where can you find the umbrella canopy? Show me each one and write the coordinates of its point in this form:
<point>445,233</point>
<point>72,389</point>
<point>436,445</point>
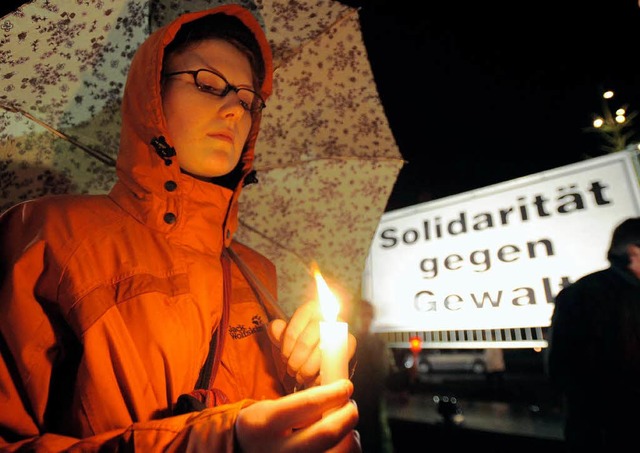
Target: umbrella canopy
<point>326,158</point>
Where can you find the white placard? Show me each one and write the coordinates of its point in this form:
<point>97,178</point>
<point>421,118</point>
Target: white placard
<point>496,257</point>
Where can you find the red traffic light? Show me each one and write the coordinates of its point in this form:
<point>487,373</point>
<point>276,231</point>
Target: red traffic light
<point>415,344</point>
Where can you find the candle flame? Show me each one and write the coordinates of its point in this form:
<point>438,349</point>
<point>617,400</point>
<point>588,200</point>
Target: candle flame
<point>329,305</point>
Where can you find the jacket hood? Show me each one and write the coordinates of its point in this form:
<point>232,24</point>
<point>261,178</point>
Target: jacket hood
<point>146,163</point>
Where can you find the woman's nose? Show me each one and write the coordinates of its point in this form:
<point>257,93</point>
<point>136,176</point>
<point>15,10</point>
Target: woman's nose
<point>232,105</point>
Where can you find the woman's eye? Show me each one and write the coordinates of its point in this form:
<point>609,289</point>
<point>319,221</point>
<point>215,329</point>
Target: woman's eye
<point>207,88</point>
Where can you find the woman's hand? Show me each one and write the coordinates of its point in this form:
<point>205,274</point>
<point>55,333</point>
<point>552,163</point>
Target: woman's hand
<point>319,419</point>
<point>299,343</point>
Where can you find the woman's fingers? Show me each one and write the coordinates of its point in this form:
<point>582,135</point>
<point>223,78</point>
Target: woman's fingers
<point>298,324</point>
<point>304,407</point>
<point>275,330</point>
<point>299,343</point>
<point>333,431</point>
<point>315,419</point>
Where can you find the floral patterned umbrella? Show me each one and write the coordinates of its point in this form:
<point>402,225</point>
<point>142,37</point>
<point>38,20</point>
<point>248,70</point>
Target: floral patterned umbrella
<point>326,157</point>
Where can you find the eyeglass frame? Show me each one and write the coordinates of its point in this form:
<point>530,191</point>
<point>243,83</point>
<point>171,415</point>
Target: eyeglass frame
<point>229,87</point>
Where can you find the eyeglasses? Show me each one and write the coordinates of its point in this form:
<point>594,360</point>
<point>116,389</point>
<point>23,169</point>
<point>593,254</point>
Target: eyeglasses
<point>213,83</point>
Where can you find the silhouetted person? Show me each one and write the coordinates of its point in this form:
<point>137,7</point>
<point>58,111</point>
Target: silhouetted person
<point>369,382</point>
<point>594,350</point>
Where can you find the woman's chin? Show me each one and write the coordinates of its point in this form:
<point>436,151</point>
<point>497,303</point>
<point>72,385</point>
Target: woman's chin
<point>209,171</point>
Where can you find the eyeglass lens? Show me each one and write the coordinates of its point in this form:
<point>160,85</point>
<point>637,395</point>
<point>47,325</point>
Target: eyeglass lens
<point>215,84</point>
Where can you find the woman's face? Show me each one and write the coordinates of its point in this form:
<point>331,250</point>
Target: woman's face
<point>208,132</point>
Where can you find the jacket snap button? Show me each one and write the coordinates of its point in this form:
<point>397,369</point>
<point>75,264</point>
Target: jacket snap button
<point>170,218</point>
<point>170,186</point>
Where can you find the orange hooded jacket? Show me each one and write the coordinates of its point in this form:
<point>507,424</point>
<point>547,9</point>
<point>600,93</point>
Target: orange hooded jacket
<point>108,302</point>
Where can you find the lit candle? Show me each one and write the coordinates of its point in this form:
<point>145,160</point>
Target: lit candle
<point>333,336</point>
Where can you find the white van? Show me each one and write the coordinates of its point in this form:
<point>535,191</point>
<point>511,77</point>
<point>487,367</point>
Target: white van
<point>448,360</point>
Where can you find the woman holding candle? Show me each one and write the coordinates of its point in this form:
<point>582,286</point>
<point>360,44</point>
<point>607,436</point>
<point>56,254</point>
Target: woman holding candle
<point>126,323</point>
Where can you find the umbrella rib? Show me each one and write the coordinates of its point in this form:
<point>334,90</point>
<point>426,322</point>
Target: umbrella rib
<point>336,158</point>
<point>279,245</point>
<point>287,57</point>
<point>102,157</point>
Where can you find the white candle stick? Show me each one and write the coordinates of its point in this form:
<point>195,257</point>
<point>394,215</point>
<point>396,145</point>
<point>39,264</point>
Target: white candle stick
<point>333,336</point>
<point>333,342</point>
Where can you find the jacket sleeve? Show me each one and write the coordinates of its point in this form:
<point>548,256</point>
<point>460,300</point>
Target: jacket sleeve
<point>208,430</point>
<point>30,351</point>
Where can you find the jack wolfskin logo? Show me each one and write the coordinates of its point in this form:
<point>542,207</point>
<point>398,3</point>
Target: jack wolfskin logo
<point>241,331</point>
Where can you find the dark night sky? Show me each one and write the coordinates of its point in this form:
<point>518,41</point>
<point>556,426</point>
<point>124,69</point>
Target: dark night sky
<point>479,93</point>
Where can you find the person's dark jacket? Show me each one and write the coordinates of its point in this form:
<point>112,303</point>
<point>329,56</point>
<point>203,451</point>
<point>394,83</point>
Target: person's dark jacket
<point>594,358</point>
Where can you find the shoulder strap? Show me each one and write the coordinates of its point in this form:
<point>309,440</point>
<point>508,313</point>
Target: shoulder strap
<point>262,293</point>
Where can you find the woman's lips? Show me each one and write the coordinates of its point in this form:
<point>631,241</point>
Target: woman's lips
<point>225,136</point>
